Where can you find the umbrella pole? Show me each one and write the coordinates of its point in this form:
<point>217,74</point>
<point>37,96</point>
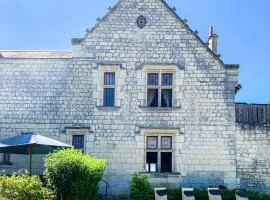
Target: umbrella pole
<point>30,162</point>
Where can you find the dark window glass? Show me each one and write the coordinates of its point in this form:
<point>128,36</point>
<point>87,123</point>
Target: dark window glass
<point>6,157</point>
<point>152,79</point>
<point>166,162</point>
<point>151,158</point>
<point>108,97</point>
<point>166,98</point>
<point>109,78</point>
<point>152,142</point>
<point>78,142</point>
<point>152,97</point>
<point>167,79</point>
<point>166,142</point>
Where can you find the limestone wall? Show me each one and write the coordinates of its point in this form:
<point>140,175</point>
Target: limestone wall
<point>253,157</point>
<point>51,96</point>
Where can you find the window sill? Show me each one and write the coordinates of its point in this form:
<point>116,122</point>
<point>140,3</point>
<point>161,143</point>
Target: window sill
<point>6,163</point>
<point>160,109</point>
<point>161,175</point>
<point>108,108</point>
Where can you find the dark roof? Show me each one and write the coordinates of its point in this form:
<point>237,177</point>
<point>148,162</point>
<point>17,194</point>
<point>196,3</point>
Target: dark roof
<point>252,114</point>
<point>232,66</point>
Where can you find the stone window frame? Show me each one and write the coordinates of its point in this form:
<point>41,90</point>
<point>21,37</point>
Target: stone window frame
<point>114,69</point>
<point>71,132</point>
<point>160,69</point>
<point>160,133</point>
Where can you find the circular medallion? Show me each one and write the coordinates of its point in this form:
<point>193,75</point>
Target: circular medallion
<point>141,21</point>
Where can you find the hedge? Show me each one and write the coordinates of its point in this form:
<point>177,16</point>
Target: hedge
<point>142,190</point>
<point>73,175</point>
<point>23,187</point>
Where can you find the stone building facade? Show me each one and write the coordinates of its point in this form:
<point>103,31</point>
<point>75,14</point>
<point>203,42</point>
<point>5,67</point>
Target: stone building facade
<point>142,91</point>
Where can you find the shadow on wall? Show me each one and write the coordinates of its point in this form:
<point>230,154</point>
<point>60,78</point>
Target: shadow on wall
<point>252,178</point>
<point>203,179</point>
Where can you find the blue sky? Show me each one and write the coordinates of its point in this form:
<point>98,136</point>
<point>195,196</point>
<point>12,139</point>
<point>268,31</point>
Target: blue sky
<point>243,27</point>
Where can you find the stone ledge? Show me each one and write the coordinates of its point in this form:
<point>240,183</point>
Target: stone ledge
<point>5,164</point>
<point>168,180</point>
<point>108,108</point>
<point>160,109</point>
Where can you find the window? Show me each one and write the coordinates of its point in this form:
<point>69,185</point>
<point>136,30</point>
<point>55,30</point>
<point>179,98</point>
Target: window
<point>159,89</point>
<point>6,157</point>
<point>109,89</point>
<point>159,151</point>
<point>78,142</point>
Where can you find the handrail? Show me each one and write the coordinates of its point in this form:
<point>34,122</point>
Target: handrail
<point>107,186</point>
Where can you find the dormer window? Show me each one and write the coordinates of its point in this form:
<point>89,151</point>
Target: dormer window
<point>159,89</point>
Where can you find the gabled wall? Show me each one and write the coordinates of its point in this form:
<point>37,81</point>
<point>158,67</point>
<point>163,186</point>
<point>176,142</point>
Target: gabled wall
<point>49,96</point>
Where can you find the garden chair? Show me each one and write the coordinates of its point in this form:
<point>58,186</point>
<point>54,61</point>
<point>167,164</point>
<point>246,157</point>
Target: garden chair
<point>241,195</point>
<point>188,194</point>
<point>214,194</point>
<point>161,194</point>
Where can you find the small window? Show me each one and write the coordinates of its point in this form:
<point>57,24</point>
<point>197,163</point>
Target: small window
<point>109,78</point>
<point>78,142</point>
<point>159,153</point>
<point>109,89</point>
<point>166,162</point>
<point>109,96</point>
<point>6,157</point>
<point>153,79</point>
<point>152,142</point>
<point>166,142</point>
<point>152,161</point>
<point>159,89</point>
<point>167,79</point>
<point>152,97</point>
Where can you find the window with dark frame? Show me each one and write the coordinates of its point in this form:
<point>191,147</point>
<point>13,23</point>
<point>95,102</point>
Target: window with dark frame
<point>6,157</point>
<point>109,89</point>
<point>78,142</point>
<point>159,89</point>
<point>159,153</point>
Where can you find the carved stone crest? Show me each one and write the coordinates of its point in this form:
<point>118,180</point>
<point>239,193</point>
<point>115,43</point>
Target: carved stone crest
<point>141,21</point>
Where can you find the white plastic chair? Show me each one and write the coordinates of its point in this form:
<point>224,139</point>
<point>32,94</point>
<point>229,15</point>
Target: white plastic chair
<point>214,194</point>
<point>188,194</point>
<point>241,195</point>
<point>161,194</point>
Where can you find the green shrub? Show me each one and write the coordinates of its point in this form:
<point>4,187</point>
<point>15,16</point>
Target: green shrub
<point>228,194</point>
<point>140,188</point>
<point>258,196</point>
<point>74,176</point>
<point>201,194</point>
<point>174,194</point>
<point>23,187</point>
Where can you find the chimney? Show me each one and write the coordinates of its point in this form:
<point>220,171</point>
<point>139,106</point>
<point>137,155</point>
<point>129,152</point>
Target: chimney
<point>212,40</point>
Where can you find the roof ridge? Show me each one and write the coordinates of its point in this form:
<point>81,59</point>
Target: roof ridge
<point>36,51</point>
<point>88,31</point>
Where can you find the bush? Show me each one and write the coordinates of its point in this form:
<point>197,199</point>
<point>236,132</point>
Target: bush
<point>201,194</point>
<point>258,196</point>
<point>23,187</point>
<point>140,188</point>
<point>174,194</point>
<point>73,175</point>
